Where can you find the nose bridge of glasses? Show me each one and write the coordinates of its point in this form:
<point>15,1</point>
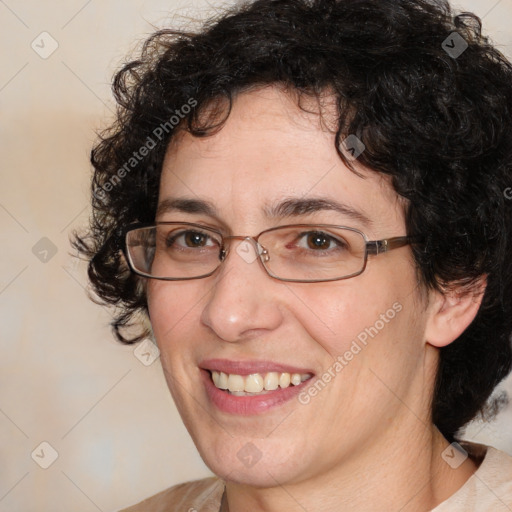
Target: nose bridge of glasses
<point>260,251</point>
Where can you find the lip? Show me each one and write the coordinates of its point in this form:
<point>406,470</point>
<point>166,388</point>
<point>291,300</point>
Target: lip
<point>248,367</point>
<point>248,405</point>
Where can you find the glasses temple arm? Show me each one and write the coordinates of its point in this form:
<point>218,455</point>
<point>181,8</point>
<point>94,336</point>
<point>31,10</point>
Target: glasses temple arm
<point>380,246</point>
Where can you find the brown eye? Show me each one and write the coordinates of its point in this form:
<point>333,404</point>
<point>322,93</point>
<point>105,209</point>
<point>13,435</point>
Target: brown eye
<point>193,239</point>
<point>189,240</point>
<point>318,241</point>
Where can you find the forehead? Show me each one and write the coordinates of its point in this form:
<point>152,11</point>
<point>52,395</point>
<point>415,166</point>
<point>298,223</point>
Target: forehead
<point>269,150</point>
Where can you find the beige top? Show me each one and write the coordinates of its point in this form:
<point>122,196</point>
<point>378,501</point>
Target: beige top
<point>489,489</point>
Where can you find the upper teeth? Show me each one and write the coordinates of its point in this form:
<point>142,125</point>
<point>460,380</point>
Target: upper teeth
<point>256,382</point>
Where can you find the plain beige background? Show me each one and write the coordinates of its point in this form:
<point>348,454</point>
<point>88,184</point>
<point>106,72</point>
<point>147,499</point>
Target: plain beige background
<point>106,417</point>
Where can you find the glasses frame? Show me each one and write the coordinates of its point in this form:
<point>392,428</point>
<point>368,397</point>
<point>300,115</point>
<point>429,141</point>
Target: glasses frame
<point>372,247</point>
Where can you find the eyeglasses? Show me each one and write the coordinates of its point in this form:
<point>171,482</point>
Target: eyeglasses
<point>303,253</point>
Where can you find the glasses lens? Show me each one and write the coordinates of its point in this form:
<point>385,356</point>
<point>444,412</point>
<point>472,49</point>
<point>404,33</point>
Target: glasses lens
<point>314,253</point>
<point>295,253</point>
<point>174,251</point>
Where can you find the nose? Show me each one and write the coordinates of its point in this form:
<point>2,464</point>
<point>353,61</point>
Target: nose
<point>244,301</point>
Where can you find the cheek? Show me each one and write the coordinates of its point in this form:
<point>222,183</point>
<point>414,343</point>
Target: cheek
<point>374,305</point>
<point>335,317</point>
<point>173,307</point>
<point>174,311</point>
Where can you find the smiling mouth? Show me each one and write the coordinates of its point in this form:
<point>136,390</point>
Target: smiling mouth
<point>256,384</point>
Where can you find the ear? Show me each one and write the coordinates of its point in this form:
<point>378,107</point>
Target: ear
<point>451,312</point>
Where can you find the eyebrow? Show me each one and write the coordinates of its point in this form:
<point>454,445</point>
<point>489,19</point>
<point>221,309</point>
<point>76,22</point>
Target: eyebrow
<point>291,207</point>
<point>186,205</point>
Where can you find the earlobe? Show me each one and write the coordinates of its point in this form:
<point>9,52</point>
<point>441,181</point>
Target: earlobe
<point>451,312</point>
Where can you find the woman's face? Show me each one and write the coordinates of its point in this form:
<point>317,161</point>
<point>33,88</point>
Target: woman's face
<point>359,342</point>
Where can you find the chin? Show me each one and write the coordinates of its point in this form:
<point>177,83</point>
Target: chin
<point>253,462</point>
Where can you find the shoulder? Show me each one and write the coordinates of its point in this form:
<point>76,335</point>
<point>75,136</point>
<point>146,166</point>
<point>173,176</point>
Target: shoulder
<point>495,478</point>
<point>489,489</point>
<point>197,496</point>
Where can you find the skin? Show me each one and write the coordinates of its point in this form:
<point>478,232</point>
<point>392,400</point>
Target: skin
<point>366,440</point>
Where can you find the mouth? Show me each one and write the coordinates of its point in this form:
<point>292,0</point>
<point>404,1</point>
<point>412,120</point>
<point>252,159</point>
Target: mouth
<point>256,384</point>
<point>246,388</point>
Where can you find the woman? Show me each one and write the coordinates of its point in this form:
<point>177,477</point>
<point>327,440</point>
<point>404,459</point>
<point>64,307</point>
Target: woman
<point>307,200</point>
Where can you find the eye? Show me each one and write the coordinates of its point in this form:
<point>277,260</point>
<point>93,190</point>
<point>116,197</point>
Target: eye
<point>189,239</point>
<point>320,241</point>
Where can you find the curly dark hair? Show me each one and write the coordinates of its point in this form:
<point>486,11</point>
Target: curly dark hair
<point>426,92</point>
